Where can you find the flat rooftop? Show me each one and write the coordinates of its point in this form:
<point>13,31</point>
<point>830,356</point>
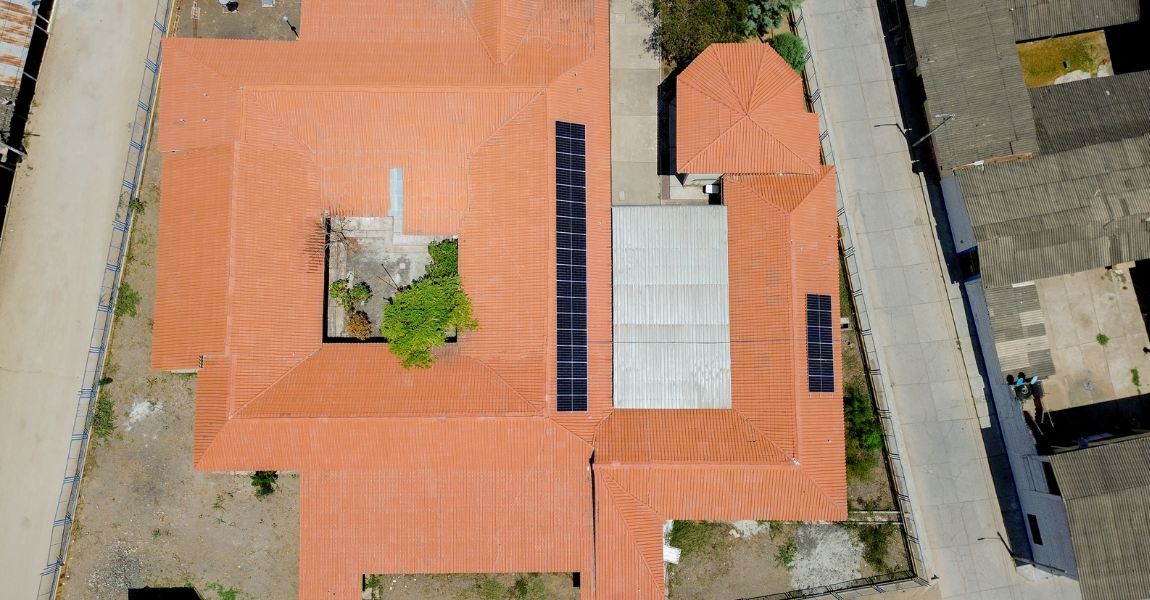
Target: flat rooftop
<point>672,318</point>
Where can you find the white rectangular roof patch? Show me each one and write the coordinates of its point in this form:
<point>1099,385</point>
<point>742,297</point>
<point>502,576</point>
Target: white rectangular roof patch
<point>672,318</point>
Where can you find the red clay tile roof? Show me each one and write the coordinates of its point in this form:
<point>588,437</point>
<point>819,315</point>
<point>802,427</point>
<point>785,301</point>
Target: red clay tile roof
<point>467,467</point>
<point>738,97</point>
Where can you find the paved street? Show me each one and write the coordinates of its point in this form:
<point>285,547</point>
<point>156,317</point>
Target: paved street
<point>926,361</point>
<point>52,260</point>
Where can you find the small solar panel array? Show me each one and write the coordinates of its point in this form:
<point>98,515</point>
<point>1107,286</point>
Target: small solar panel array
<point>571,265</point>
<point>820,344</point>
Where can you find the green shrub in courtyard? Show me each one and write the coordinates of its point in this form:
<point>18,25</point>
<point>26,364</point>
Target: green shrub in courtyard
<point>104,418</point>
<point>349,297</point>
<point>863,430</point>
<point>419,316</point>
<point>686,27</point>
<point>765,15</point>
<point>876,541</point>
<point>127,300</point>
<point>791,48</point>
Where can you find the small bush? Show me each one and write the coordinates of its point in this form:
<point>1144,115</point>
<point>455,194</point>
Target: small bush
<point>765,15</point>
<point>264,482</point>
<point>104,417</point>
<point>358,325</point>
<point>351,297</point>
<point>127,301</point>
<point>418,317</point>
<point>529,587</point>
<point>791,48</point>
<point>785,555</point>
<point>876,542</point>
<point>489,588</point>
<point>1103,339</point>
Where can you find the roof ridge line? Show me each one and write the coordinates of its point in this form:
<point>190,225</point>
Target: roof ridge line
<point>495,374</point>
<point>717,137</point>
<point>783,144</point>
<point>687,82</point>
<point>759,433</point>
<point>273,383</point>
<point>192,56</point>
<point>535,94</point>
<point>745,110</point>
<point>474,28</point>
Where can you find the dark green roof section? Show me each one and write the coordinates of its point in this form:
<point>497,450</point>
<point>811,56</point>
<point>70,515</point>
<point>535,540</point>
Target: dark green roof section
<point>1061,213</point>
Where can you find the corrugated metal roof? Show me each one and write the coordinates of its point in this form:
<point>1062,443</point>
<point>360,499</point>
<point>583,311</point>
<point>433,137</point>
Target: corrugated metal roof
<point>1035,19</point>
<point>1019,331</point>
<point>740,110</point>
<point>1061,213</point>
<point>1092,111</point>
<point>672,320</point>
<point>969,66</point>
<point>17,21</point>
<point>1107,494</point>
<point>473,444</point>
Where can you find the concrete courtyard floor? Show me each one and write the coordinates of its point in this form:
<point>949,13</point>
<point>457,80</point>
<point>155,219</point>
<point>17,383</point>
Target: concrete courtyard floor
<point>55,241</point>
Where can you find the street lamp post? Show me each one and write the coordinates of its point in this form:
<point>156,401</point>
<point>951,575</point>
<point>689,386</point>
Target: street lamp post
<point>945,117</point>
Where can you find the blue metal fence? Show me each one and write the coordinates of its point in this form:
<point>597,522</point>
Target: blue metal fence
<point>102,328</point>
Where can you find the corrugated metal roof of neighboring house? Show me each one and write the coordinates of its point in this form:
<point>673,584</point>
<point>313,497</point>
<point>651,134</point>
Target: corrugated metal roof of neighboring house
<point>1107,494</point>
<point>466,104</point>
<point>1035,19</point>
<point>671,307</point>
<point>1020,335</point>
<point>969,67</point>
<point>732,98</point>
<point>17,21</point>
<point>1092,111</point>
<point>1061,213</point>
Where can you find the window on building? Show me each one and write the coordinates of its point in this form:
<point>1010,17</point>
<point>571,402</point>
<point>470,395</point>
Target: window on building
<point>1035,533</point>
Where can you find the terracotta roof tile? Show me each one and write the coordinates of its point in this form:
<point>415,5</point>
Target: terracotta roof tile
<point>467,467</point>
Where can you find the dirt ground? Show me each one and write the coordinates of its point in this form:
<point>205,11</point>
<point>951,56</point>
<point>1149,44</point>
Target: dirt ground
<point>250,22</point>
<point>532,586</point>
<point>1043,61</point>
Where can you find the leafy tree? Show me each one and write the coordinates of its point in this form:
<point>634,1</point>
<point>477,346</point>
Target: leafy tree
<point>791,48</point>
<point>418,317</point>
<point>349,297</point>
<point>765,15</point>
<point>684,28</point>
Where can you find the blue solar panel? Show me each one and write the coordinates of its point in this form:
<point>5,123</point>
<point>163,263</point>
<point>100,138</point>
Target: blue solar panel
<point>571,266</point>
<point>820,344</point>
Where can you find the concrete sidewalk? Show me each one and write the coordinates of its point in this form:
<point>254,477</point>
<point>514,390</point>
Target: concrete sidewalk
<point>917,318</point>
<point>52,260</point>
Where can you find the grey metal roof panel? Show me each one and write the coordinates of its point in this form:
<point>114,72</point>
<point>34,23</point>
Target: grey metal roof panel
<point>1035,19</point>
<point>672,323</point>
<point>1060,213</point>
<point>969,66</point>
<point>1107,494</point>
<point>1020,337</point>
<point>1092,111</point>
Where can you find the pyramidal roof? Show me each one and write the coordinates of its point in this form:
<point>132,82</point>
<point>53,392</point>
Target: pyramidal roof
<point>741,110</point>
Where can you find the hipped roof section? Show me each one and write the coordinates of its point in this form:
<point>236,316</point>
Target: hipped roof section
<point>740,109</point>
<point>464,97</point>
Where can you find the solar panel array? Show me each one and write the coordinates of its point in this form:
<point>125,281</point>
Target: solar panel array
<point>571,265</point>
<point>820,344</point>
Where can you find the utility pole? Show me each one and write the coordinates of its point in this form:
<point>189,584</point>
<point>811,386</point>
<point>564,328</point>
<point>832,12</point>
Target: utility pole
<point>945,117</point>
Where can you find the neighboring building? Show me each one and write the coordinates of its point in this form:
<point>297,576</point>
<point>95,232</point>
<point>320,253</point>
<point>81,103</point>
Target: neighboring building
<point>17,22</point>
<point>1047,191</point>
<point>513,453</point>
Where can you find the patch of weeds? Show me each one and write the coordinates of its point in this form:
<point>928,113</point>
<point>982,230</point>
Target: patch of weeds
<point>264,482</point>
<point>489,588</point>
<point>219,503</point>
<point>1136,380</point>
<point>224,594</point>
<point>529,587</point>
<point>785,554</point>
<point>156,533</point>
<point>863,431</point>
<point>104,417</point>
<point>699,537</point>
<point>104,381</point>
<point>373,584</point>
<point>127,301</point>
<point>137,205</point>
<point>1103,339</point>
<point>876,542</point>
